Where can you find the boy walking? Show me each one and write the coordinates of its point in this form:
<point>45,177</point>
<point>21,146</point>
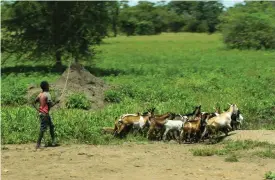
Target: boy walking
<point>45,104</point>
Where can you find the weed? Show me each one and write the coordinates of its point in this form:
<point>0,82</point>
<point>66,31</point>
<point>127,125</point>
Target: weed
<point>203,152</point>
<point>268,153</point>
<point>78,101</point>
<point>231,158</point>
<point>245,145</point>
<point>270,175</point>
<point>112,96</point>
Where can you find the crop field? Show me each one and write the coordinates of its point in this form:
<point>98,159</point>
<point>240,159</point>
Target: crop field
<point>171,72</point>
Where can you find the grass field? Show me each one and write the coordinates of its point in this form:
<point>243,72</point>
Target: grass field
<point>172,72</point>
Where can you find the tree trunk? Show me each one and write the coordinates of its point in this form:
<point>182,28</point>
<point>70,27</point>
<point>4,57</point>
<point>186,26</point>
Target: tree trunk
<point>114,28</point>
<point>115,20</point>
<point>58,62</point>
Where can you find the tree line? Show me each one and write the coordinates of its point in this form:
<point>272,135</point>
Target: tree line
<point>60,29</point>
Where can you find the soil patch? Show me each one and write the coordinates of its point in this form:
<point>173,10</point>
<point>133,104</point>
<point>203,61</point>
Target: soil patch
<point>131,161</point>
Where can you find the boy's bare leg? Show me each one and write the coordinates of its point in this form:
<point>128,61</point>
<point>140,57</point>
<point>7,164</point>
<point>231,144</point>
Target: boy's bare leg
<point>39,139</point>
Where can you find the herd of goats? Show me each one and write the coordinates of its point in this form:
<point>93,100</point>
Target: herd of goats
<point>189,128</point>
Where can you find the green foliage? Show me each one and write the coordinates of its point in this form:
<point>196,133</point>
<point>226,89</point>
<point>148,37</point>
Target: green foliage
<point>78,101</point>
<point>145,28</point>
<point>249,26</point>
<point>199,16</point>
<point>51,28</point>
<point>13,93</point>
<point>15,86</point>
<point>270,175</point>
<point>112,96</point>
<point>148,18</point>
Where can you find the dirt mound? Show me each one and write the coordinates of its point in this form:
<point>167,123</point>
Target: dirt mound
<point>79,80</point>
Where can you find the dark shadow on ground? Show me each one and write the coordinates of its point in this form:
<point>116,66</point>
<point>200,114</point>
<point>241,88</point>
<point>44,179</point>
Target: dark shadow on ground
<point>32,69</point>
<point>52,69</point>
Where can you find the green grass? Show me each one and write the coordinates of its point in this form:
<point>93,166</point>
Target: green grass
<point>231,148</point>
<point>172,72</point>
<point>270,175</point>
<point>267,153</point>
<point>231,158</point>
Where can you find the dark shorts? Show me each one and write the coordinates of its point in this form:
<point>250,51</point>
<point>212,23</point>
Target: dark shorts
<point>45,121</point>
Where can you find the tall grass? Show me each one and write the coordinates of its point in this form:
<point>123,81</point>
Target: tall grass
<point>172,72</point>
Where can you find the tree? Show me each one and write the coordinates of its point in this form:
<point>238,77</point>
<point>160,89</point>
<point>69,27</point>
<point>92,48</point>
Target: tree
<point>249,26</point>
<point>198,16</point>
<point>144,19</point>
<point>56,28</point>
<point>113,10</point>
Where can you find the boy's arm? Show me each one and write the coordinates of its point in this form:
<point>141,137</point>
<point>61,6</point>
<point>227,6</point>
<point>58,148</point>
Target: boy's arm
<point>49,101</point>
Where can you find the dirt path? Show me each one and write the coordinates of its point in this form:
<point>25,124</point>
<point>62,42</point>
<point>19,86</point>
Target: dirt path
<point>130,161</point>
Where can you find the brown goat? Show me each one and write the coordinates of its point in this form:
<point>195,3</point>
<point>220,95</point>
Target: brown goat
<point>133,120</point>
<point>157,122</point>
<point>189,128</point>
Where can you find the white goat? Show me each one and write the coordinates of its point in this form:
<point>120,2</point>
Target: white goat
<point>221,122</point>
<point>172,125</point>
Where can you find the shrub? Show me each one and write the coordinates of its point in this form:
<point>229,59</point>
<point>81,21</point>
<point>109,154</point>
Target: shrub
<point>203,27</point>
<point>12,92</point>
<point>14,96</point>
<point>249,26</point>
<point>112,96</point>
<point>145,28</point>
<point>78,101</point>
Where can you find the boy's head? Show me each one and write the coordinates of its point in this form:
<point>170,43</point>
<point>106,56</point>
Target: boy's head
<point>44,86</point>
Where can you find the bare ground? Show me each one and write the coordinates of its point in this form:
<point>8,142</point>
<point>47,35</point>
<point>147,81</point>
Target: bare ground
<point>132,161</point>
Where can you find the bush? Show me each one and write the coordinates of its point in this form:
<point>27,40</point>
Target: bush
<point>145,28</point>
<point>13,92</point>
<point>176,23</point>
<point>203,27</point>
<point>78,101</point>
<point>249,26</point>
<point>14,96</point>
<point>128,26</point>
<point>112,96</point>
<point>191,25</point>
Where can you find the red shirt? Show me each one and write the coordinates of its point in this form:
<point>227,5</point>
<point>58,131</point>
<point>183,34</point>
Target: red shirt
<point>44,99</point>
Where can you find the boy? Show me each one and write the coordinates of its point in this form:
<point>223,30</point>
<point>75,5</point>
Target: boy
<point>45,103</point>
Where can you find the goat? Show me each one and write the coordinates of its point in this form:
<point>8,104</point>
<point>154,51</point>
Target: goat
<point>221,122</point>
<point>191,127</point>
<point>135,121</point>
<point>188,116</point>
<point>237,120</point>
<point>184,118</point>
<point>172,125</point>
<point>156,123</point>
<point>205,117</point>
